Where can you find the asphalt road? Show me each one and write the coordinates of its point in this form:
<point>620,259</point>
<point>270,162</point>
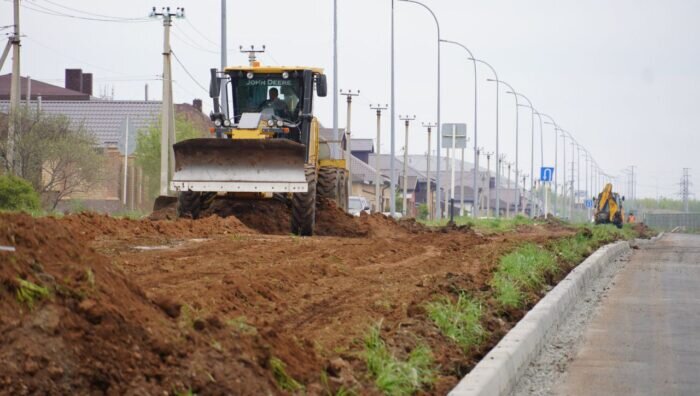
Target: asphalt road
<point>645,336</point>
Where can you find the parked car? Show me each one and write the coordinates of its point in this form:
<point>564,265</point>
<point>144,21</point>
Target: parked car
<point>358,205</point>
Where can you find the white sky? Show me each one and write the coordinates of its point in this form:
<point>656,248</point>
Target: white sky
<point>622,76</point>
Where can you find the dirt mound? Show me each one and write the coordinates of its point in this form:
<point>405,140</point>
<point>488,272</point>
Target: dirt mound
<point>273,217</point>
<point>643,230</point>
<point>92,225</point>
<point>71,321</point>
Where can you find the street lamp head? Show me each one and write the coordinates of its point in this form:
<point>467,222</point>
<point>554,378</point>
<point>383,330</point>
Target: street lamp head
<point>491,80</point>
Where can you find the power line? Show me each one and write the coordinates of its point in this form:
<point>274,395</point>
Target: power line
<point>187,41</point>
<point>48,11</point>
<point>188,72</point>
<point>94,14</point>
<point>198,32</point>
<point>61,53</point>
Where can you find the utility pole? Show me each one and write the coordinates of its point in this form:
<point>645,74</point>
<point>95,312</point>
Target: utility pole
<point>167,137</point>
<point>348,142</point>
<point>429,199</point>
<point>252,53</point>
<point>377,158</point>
<point>224,53</point>
<point>500,160</point>
<point>488,184</point>
<point>461,179</point>
<point>407,120</point>
<point>508,204</point>
<point>15,92</point>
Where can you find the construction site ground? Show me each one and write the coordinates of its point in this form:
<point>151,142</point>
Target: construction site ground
<point>232,303</point>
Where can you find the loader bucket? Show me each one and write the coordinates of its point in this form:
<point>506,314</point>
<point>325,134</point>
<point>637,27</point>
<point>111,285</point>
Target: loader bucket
<point>226,165</point>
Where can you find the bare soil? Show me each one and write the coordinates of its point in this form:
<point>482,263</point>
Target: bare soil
<point>165,306</point>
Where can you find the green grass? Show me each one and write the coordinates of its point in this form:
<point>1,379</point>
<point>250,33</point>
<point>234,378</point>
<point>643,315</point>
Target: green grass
<point>393,376</point>
<point>284,380</point>
<point>520,271</point>
<point>29,293</point>
<point>460,321</point>
<point>490,225</point>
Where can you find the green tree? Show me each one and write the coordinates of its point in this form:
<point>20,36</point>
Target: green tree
<point>148,149</point>
<point>57,157</point>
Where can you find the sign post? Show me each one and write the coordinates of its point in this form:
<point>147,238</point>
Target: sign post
<point>454,136</point>
<point>546,174</point>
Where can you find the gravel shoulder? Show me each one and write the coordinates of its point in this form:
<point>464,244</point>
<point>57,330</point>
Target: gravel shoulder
<point>549,368</point>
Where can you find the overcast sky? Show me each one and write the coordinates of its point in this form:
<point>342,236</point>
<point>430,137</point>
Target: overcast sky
<point>622,76</point>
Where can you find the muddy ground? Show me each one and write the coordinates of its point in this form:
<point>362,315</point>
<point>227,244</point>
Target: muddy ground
<point>161,306</point>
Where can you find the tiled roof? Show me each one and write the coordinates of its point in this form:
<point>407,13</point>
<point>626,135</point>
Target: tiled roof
<point>105,119</point>
<point>361,171</point>
<point>47,91</point>
<point>362,145</point>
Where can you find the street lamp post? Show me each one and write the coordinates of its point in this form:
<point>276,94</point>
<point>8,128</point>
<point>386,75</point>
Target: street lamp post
<point>498,172</point>
<point>532,150</point>
<point>556,171</point>
<point>476,157</point>
<point>437,24</point>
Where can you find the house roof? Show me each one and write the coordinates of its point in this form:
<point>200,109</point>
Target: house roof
<point>106,119</point>
<point>362,145</point>
<point>47,92</point>
<point>361,171</point>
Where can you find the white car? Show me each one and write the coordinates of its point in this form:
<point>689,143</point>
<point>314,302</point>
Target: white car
<point>357,205</point>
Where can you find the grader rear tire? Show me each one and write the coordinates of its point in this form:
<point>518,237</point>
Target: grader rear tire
<point>304,206</point>
<point>328,183</point>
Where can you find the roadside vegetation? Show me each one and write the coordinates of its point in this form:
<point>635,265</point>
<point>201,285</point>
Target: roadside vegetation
<point>490,225</point>
<point>393,376</point>
<point>519,279</point>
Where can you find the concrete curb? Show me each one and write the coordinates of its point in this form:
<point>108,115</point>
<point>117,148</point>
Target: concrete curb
<point>499,371</point>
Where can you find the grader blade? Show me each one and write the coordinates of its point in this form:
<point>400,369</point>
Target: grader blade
<point>226,165</point>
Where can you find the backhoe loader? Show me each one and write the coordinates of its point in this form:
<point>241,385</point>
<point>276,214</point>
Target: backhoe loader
<point>608,208</point>
<point>265,144</point>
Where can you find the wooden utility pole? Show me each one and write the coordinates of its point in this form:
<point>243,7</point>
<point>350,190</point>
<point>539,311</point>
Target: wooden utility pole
<point>15,92</point>
<point>377,179</point>
<point>407,120</point>
<point>167,138</point>
<point>348,142</point>
<point>429,197</point>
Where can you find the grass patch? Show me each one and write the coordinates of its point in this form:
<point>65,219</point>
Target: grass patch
<point>284,380</point>
<point>393,376</point>
<point>29,293</point>
<point>522,270</point>
<point>488,225</point>
<point>459,321</point>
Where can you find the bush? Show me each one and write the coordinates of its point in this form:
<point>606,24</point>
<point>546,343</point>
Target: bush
<point>18,194</point>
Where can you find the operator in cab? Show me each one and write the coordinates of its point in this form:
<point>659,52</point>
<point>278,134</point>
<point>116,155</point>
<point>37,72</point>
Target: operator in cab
<point>276,104</point>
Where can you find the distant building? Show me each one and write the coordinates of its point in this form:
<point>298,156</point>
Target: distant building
<point>106,120</point>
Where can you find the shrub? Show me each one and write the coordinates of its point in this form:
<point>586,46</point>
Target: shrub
<point>17,194</point>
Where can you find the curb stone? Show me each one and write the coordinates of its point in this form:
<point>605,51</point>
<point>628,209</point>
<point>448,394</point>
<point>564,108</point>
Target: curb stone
<point>499,371</point>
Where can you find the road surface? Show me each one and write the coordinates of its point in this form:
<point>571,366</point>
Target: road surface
<point>645,337</point>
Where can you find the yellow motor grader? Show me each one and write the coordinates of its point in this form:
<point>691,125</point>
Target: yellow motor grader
<point>265,145</point>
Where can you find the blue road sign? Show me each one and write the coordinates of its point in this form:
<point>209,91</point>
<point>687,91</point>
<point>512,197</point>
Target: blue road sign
<point>589,203</point>
<point>546,174</point>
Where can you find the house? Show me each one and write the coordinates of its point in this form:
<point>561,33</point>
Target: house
<point>106,120</point>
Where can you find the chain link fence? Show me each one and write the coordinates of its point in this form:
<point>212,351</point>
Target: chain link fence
<point>669,221</point>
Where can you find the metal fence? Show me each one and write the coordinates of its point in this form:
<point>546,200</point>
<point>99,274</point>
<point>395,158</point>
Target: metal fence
<point>669,221</point>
